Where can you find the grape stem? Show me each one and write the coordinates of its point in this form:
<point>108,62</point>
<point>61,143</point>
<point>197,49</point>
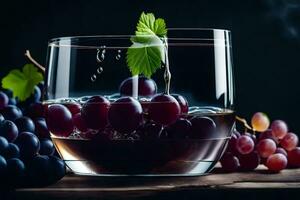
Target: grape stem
<point>38,65</point>
<point>244,122</point>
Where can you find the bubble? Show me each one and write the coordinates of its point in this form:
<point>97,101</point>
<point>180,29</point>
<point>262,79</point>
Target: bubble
<point>118,56</point>
<point>99,70</point>
<point>93,78</point>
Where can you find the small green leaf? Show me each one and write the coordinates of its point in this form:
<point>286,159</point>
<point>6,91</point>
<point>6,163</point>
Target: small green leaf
<point>22,82</point>
<point>147,52</point>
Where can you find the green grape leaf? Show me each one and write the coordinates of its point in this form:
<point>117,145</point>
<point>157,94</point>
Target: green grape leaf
<point>147,52</point>
<point>22,82</point>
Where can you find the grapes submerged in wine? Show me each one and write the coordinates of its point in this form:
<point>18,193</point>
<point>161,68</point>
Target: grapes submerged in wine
<point>134,142</point>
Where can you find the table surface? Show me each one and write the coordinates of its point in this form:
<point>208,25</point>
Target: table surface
<point>246,184</point>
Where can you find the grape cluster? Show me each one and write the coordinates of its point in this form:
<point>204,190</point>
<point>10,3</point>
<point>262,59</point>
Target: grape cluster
<point>27,154</point>
<point>272,145</point>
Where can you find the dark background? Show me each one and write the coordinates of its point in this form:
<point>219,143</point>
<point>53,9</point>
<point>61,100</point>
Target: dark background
<point>266,39</point>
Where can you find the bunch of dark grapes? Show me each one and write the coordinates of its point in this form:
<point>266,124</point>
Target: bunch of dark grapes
<point>270,145</point>
<point>27,154</point>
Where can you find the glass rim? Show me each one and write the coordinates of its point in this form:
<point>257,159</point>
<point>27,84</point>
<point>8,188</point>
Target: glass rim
<point>216,32</point>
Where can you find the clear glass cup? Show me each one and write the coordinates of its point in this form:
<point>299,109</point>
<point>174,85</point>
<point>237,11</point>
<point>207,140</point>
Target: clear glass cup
<point>106,122</point>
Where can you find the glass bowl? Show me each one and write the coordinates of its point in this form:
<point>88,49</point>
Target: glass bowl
<point>105,121</point>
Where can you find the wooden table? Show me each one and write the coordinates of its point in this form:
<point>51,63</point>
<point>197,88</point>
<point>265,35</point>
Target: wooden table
<point>245,185</point>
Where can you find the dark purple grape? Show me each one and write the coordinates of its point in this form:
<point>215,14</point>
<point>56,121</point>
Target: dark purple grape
<point>268,135</point>
<point>281,150</point>
<point>74,108</point>
<point>125,115</point>
<point>57,169</point>
<point>46,147</point>
<point>150,131</point>
<point>3,100</point>
<point>12,101</point>
<point>79,123</point>
<point>39,170</point>
<point>12,151</point>
<point>35,96</point>
<point>11,112</point>
<point>3,144</point>
<point>25,124</point>
<point>3,166</point>
<point>15,169</point>
<point>202,127</point>
<point>95,112</point>
<point>232,145</point>
<point>35,110</point>
<point>1,118</point>
<point>41,129</point>
<point>164,109</point>
<point>182,102</point>
<point>59,120</point>
<point>9,130</point>
<point>179,129</point>
<point>146,86</point>
<point>249,161</point>
<point>41,86</point>
<point>28,144</point>
<point>229,162</point>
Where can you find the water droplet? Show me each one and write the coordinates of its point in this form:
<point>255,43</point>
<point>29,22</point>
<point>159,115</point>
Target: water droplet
<point>93,78</point>
<point>100,58</point>
<point>99,70</point>
<point>118,56</point>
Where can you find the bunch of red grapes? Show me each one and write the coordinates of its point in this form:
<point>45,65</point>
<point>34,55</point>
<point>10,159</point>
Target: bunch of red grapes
<point>272,145</point>
<point>27,154</point>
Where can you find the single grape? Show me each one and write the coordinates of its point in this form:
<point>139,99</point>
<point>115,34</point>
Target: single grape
<point>79,123</point>
<point>74,108</point>
<point>35,96</point>
<point>164,109</point>
<point>244,144</point>
<point>3,166</point>
<point>276,162</point>
<point>41,86</point>
<point>250,161</point>
<point>235,132</point>
<point>9,130</point>
<point>232,145</point>
<point>12,101</point>
<point>202,127</point>
<point>182,102</point>
<point>125,114</point>
<point>12,151</point>
<point>279,128</point>
<point>46,147</point>
<point>3,100</point>
<point>294,157</point>
<point>3,144</point>
<point>260,122</point>
<point>59,120</point>
<point>229,162</point>
<point>57,169</point>
<point>25,124</point>
<point>146,86</point>
<point>1,119</point>
<point>150,131</point>
<point>266,147</point>
<point>95,112</point>
<point>281,150</point>
<point>35,110</point>
<point>15,169</point>
<point>268,135</point>
<point>290,141</point>
<point>41,129</point>
<point>28,144</point>
<point>179,129</point>
<point>38,170</point>
<point>11,112</point>
<point>253,136</point>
